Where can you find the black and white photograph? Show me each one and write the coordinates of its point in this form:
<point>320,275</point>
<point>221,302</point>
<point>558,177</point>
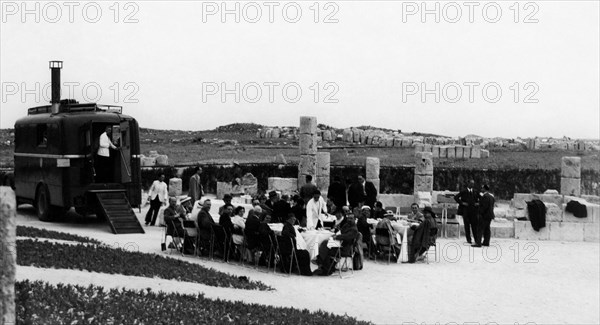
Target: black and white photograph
<point>300,162</point>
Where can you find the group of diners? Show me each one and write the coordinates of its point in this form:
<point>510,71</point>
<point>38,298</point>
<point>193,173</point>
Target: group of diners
<point>276,230</point>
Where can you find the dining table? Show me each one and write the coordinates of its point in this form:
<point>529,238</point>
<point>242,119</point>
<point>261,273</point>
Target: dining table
<point>306,239</point>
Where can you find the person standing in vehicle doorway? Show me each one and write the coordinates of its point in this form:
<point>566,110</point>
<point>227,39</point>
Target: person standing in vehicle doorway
<point>104,163</point>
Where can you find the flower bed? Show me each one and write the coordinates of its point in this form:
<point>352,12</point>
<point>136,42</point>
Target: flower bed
<point>42,303</point>
<point>25,231</point>
<point>103,259</point>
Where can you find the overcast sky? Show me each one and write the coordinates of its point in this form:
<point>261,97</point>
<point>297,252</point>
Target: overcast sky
<point>496,68</point>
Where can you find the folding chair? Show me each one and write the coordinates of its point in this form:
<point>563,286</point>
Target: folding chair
<point>385,242</point>
<point>190,232</point>
<point>219,238</point>
<point>339,256</point>
<point>269,248</point>
<point>287,251</point>
<point>170,230</point>
<point>432,243</point>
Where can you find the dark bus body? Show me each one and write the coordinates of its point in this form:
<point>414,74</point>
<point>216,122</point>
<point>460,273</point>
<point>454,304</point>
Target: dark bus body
<point>55,152</point>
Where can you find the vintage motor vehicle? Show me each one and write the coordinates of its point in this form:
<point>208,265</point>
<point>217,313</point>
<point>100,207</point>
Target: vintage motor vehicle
<point>55,160</point>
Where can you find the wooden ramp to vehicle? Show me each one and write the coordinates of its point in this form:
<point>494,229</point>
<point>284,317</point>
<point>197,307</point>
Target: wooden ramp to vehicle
<point>114,206</point>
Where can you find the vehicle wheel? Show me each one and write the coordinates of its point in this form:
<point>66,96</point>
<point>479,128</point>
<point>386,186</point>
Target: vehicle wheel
<point>82,211</point>
<point>42,204</point>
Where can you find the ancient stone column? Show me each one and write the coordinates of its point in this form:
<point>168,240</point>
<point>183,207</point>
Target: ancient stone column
<point>372,168</point>
<point>175,186</point>
<point>423,172</point>
<point>8,257</point>
<point>323,170</point>
<point>570,176</point>
<point>308,149</point>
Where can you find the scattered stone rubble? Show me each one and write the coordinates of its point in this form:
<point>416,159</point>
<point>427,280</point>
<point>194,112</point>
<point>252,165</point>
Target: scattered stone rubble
<point>154,159</point>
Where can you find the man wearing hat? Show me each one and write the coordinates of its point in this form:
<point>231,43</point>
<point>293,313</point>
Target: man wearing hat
<point>226,201</point>
<point>392,240</point>
<point>421,239</point>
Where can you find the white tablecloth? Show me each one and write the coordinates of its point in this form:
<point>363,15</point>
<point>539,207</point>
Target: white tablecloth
<point>313,239</point>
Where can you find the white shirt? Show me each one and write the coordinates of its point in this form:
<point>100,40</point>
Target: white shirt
<point>314,211</point>
<point>105,143</point>
<point>159,188</point>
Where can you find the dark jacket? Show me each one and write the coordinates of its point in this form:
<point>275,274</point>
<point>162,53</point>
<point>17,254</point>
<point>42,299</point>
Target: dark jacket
<point>307,190</point>
<point>337,194</point>
<point>537,214</point>
<point>251,231</point>
<point>577,209</point>
<point>225,221</point>
<point>470,198</point>
<point>356,194</point>
<point>349,233</point>
<point>280,211</point>
<point>422,239</point>
<point>288,231</point>
<point>371,194</point>
<point>205,222</point>
<point>486,206</point>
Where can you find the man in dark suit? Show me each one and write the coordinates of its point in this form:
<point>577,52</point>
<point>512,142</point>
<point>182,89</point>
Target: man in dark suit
<point>362,192</point>
<point>252,226</point>
<point>468,203</point>
<point>348,233</point>
<point>486,215</point>
<point>337,193</point>
<point>280,208</point>
<point>205,222</point>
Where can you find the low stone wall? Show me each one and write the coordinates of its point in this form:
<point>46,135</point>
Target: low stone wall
<point>397,180</point>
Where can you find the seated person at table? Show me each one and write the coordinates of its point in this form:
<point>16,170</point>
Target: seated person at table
<point>415,215</point>
<point>226,201</point>
<point>302,255</point>
<point>225,218</point>
<point>266,238</point>
<point>393,240</point>
<point>340,218</point>
<point>251,229</point>
<point>421,239</point>
<point>363,226</point>
<point>205,222</point>
<point>314,208</point>
<point>225,222</point>
<point>266,209</point>
<point>186,204</point>
<point>174,216</point>
<point>239,223</point>
<point>348,234</point>
<point>378,212</point>
<point>299,210</point>
<point>280,208</point>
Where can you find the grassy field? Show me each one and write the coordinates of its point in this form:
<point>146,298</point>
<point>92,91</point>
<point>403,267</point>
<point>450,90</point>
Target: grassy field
<point>227,145</point>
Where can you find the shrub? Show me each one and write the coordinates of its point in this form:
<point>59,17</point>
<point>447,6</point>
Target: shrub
<point>37,303</point>
<point>103,259</point>
<point>25,231</point>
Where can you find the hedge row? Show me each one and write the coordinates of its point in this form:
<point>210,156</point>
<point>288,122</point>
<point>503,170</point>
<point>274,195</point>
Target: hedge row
<point>504,182</point>
<point>103,259</point>
<point>42,303</point>
<point>25,231</point>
